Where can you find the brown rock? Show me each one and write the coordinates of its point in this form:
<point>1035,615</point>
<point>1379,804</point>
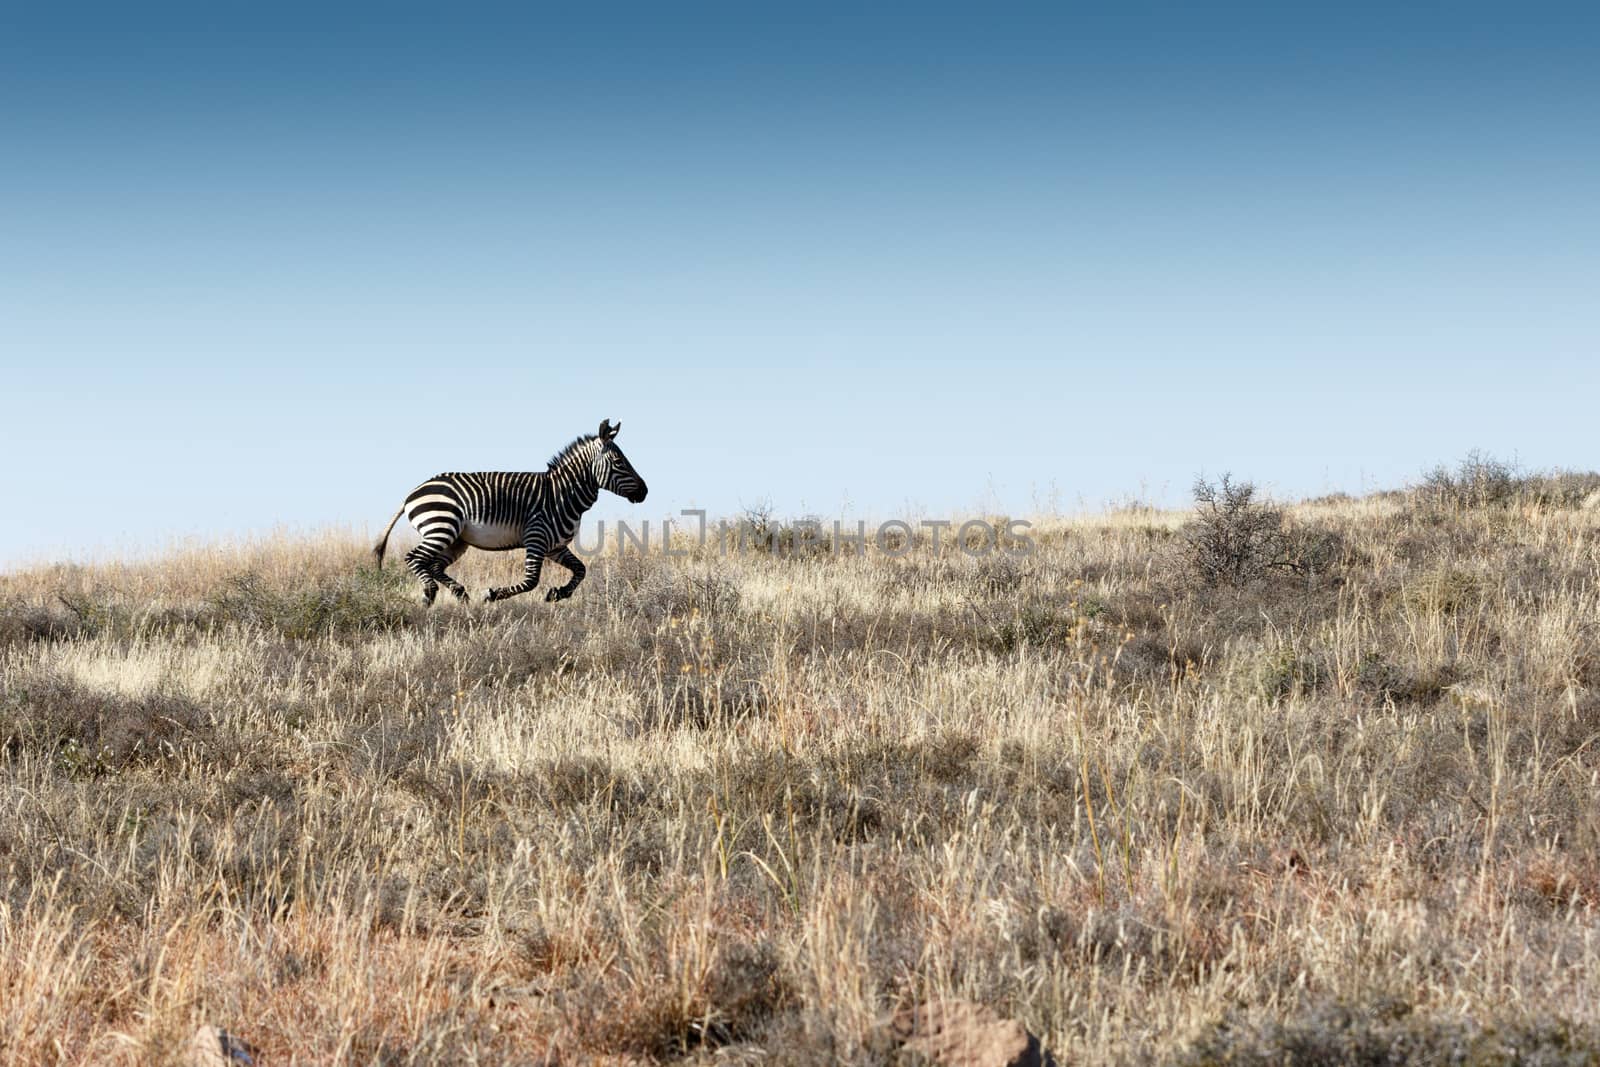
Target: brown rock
<point>959,1033</point>
<point>212,1046</point>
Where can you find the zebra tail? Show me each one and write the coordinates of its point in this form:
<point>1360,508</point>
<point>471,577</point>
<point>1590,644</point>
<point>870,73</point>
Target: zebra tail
<point>383,542</point>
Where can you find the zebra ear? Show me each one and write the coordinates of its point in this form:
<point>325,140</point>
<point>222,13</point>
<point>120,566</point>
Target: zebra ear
<point>608,431</point>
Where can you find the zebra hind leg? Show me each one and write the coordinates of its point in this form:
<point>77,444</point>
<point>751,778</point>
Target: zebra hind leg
<point>419,564</point>
<point>456,551</point>
<point>428,562</point>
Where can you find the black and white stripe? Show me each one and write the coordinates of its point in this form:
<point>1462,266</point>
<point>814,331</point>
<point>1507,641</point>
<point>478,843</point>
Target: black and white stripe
<point>538,512</point>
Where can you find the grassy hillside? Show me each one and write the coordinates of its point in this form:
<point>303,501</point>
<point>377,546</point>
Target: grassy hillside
<point>746,806</point>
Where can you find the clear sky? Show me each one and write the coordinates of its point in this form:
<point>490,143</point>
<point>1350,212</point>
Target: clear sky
<point>271,264</point>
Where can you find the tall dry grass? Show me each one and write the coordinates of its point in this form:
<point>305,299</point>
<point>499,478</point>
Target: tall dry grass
<point>745,807</point>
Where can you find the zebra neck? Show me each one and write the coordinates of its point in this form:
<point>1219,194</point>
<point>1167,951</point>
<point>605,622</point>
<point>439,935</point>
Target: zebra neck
<point>575,487</point>
<point>584,494</point>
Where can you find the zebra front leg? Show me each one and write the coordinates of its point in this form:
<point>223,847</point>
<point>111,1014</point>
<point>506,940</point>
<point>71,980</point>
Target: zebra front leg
<point>531,564</point>
<point>567,559</point>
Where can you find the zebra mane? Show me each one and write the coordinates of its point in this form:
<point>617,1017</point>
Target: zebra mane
<point>572,448</point>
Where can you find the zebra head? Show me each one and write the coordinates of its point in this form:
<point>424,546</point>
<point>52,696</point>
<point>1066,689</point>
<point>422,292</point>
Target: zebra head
<point>611,468</point>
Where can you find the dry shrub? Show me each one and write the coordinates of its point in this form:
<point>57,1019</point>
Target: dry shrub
<point>91,732</point>
<point>1235,537</point>
<point>696,702</point>
<point>1158,659</point>
<point>1383,681</point>
<point>22,623</point>
<point>366,599</point>
<point>658,593</point>
<point>1389,1034</point>
<point>664,1005</point>
<point>1479,480</point>
<point>1563,489</point>
<point>1444,590</point>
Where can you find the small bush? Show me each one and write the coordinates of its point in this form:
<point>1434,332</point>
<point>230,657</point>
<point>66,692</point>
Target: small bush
<point>1035,625</point>
<point>666,1016</point>
<point>22,623</point>
<point>803,538</point>
<point>1389,1035</point>
<point>1383,681</point>
<point>757,523</point>
<point>1158,659</point>
<point>1478,481</point>
<point>362,600</point>
<point>1443,590</point>
<point>90,732</point>
<point>757,530</point>
<point>1234,538</point>
<point>697,703</point>
<point>1315,550</point>
<point>658,592</point>
<point>1481,481</point>
<point>1282,673</point>
<point>1563,489</point>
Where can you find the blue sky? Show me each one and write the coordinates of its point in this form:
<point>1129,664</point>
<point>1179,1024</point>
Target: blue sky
<point>272,264</point>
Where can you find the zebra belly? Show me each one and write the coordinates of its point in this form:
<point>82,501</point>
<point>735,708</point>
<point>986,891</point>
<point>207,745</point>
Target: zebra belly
<point>491,535</point>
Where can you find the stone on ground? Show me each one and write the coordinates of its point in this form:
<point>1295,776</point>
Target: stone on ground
<point>959,1033</point>
<point>212,1046</point>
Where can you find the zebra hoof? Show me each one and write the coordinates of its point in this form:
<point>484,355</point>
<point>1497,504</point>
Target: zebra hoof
<point>490,595</point>
<point>555,594</point>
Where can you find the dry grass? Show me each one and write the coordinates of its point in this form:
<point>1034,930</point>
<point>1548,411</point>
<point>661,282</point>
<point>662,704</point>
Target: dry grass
<point>746,807</point>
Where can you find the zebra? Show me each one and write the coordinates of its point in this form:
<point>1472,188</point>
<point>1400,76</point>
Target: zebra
<point>500,510</point>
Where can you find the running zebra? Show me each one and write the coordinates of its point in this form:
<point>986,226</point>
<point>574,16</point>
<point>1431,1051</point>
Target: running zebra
<point>499,510</point>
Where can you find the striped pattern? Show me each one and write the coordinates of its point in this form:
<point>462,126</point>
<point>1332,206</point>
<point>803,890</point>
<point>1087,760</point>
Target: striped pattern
<point>538,512</point>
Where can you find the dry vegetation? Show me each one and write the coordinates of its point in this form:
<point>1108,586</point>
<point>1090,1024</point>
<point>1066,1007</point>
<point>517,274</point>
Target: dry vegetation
<point>1340,807</point>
